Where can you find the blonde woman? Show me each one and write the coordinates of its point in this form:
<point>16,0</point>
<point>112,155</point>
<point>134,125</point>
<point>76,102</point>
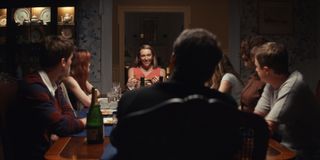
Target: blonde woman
<point>145,66</point>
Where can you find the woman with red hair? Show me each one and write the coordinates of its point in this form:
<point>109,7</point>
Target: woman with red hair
<point>77,84</point>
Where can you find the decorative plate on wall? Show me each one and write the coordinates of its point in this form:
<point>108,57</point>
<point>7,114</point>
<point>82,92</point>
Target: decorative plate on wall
<point>3,21</point>
<point>21,15</point>
<point>45,15</point>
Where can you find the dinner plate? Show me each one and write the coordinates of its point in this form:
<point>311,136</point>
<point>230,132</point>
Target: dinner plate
<point>108,120</point>
<point>21,14</point>
<point>45,15</point>
<point>107,112</point>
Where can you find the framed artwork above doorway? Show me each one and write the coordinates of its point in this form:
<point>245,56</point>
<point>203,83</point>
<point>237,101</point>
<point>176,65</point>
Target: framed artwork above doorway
<point>275,17</point>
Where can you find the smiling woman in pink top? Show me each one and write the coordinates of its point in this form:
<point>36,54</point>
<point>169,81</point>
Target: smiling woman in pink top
<point>145,66</point>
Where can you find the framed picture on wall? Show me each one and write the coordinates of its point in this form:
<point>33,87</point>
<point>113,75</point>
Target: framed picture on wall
<point>149,30</point>
<point>275,16</point>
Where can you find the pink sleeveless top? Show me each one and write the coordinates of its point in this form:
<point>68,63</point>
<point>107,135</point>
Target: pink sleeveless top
<point>138,73</point>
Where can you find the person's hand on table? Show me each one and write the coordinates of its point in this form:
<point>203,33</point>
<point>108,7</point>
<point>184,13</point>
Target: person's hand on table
<point>155,79</point>
<point>83,120</point>
<point>54,137</point>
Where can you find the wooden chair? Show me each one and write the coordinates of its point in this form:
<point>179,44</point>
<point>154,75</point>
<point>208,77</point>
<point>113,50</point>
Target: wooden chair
<point>189,128</point>
<point>255,136</point>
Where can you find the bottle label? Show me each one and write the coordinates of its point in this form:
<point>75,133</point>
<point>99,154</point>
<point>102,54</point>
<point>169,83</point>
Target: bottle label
<point>95,135</point>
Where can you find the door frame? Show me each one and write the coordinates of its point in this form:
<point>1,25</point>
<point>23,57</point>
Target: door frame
<point>119,69</point>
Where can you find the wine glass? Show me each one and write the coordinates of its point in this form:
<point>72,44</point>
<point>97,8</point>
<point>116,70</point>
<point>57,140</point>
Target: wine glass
<point>116,87</point>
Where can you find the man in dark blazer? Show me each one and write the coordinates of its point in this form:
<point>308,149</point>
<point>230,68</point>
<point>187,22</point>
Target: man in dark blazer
<point>196,53</point>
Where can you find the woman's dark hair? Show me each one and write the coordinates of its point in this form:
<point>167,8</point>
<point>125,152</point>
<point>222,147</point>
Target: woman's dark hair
<point>224,66</point>
<point>248,43</point>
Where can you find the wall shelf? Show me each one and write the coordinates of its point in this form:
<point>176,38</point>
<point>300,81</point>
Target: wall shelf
<point>25,24</point>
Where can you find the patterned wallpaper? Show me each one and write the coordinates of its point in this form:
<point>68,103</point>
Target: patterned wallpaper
<point>301,44</point>
<point>89,34</point>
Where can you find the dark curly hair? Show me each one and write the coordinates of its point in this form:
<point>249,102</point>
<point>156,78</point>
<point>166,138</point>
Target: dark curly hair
<point>248,43</point>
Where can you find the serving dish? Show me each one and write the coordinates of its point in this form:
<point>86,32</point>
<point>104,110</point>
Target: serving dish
<point>108,120</point>
<point>107,111</point>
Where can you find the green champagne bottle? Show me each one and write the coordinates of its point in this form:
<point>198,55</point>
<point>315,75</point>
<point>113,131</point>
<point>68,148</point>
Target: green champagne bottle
<point>142,82</point>
<point>160,79</point>
<point>94,126</point>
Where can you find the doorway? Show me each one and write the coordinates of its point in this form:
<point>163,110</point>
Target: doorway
<point>157,26</point>
<point>153,29</point>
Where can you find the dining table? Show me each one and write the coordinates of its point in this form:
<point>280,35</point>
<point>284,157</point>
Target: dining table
<point>76,148</point>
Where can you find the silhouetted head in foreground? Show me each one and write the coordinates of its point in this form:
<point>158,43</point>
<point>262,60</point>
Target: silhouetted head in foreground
<point>196,53</point>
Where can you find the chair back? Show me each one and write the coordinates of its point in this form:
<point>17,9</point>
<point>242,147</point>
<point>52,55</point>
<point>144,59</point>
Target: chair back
<point>255,137</point>
<point>180,128</point>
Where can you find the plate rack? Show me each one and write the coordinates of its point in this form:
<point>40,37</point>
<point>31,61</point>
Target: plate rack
<point>25,24</point>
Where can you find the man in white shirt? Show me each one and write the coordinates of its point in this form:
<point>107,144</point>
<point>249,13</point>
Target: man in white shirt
<point>287,103</point>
